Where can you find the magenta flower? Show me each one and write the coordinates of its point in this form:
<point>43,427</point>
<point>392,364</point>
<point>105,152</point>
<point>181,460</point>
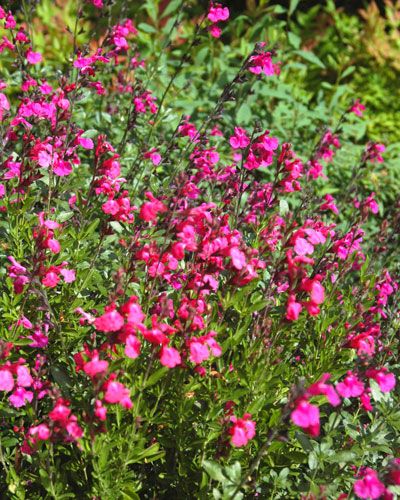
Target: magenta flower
<point>198,352</point>
<point>238,258</point>
<point>95,366</point>
<point>132,346</point>
<point>242,430</point>
<point>24,378</point>
<point>20,397</point>
<point>357,108</point>
<point>350,387</point>
<point>218,13</point>
<point>6,380</point>
<point>110,321</point>
<point>40,431</point>
<point>306,416</point>
<point>303,247</point>
<point>50,279</point>
<point>369,486</point>
<point>170,357</point>
<point>293,309</point>
<point>118,393</point>
<point>100,410</point>
<point>240,139</point>
<point>321,387</point>
<point>385,380</point>
<point>33,57</point>
<point>262,63</point>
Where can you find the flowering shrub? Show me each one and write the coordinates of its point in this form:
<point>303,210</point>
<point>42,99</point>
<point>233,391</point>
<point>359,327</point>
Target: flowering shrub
<point>190,305</point>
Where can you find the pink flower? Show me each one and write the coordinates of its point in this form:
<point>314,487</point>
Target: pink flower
<point>238,258</point>
<point>20,396</point>
<point>317,294</point>
<point>350,387</point>
<point>321,387</point>
<point>62,168</point>
<point>97,3</point>
<point>303,247</point>
<point>50,279</point>
<point>41,431</point>
<point>33,57</point>
<point>369,486</point>
<point>68,275</point>
<point>60,412</point>
<point>4,105</point>
<point>149,210</point>
<point>85,142</point>
<point>306,416</point>
<point>95,366</point>
<point>118,393</point>
<point>198,352</point>
<point>385,380</point>
<point>153,156</point>
<point>6,381</point>
<point>170,357</point>
<point>240,140</point>
<point>218,13</point>
<point>100,410</point>
<point>24,378</point>
<point>215,31</point>
<point>242,430</point>
<point>73,429</point>
<point>366,402</point>
<point>132,347</point>
<point>293,309</point>
<point>329,204</point>
<point>53,245</point>
<point>357,108</point>
<point>110,321</point>
<point>262,63</point>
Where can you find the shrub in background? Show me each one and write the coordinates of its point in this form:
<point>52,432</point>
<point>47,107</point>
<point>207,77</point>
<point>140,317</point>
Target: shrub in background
<point>199,305</point>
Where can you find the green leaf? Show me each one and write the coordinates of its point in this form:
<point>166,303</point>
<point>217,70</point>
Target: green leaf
<point>214,470</point>
<point>376,392</point>
<point>292,6</point>
<point>312,460</point>
<point>311,57</point>
<point>304,441</point>
<point>283,207</point>
<point>234,472</point>
<point>348,71</point>
<point>90,133</point>
<point>156,376</point>
<point>294,40</point>
<point>342,457</point>
<point>146,28</point>
<point>171,8</point>
<point>244,113</point>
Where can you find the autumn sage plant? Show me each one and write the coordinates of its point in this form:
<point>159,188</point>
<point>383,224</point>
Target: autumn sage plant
<point>193,304</point>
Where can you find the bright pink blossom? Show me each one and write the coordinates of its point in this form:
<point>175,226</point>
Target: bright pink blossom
<point>132,346</point>
<point>357,108</point>
<point>306,416</point>
<point>240,139</point>
<point>118,393</point>
<point>110,321</point>
<point>218,13</point>
<point>6,381</point>
<point>20,397</point>
<point>170,357</point>
<point>242,430</point>
<point>350,387</point>
<point>95,366</point>
<point>369,486</point>
<point>33,57</point>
